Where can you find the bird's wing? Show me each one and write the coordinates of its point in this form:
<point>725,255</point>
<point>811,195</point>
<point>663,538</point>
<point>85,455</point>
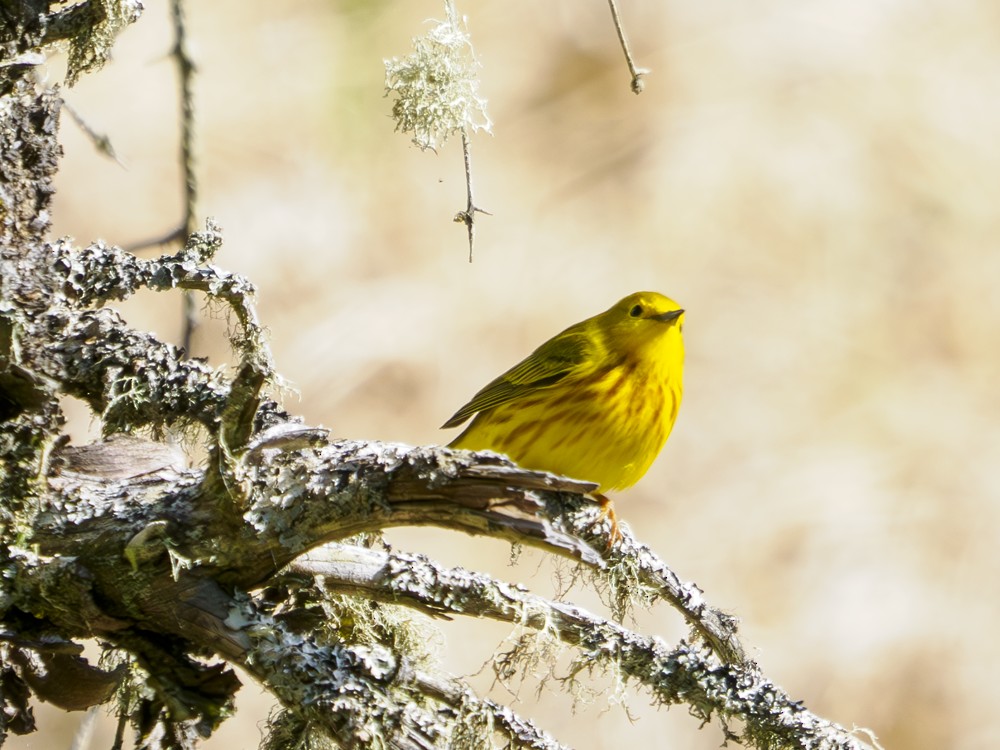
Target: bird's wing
<point>549,364</point>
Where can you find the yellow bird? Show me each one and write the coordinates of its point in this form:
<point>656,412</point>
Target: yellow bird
<point>595,402</point>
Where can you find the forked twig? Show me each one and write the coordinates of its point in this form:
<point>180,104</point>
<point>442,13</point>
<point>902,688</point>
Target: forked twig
<point>101,141</point>
<point>468,216</point>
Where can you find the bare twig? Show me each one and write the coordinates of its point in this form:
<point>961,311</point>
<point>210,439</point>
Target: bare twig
<point>176,234</point>
<point>85,731</point>
<point>120,726</point>
<point>101,140</point>
<point>468,216</point>
<point>436,94</point>
<point>185,74</point>
<point>636,73</point>
<point>186,70</point>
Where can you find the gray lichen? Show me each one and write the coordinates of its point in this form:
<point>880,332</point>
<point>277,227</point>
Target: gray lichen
<point>92,40</point>
<point>436,88</point>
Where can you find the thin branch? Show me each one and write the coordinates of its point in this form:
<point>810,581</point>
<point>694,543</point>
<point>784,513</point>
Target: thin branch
<point>185,71</point>
<point>683,674</point>
<point>85,731</point>
<point>468,216</point>
<point>636,73</point>
<point>436,94</point>
<point>115,274</point>
<point>101,141</point>
<point>627,565</point>
<point>120,726</point>
<point>521,732</point>
<point>185,74</point>
<point>644,567</point>
<point>176,234</point>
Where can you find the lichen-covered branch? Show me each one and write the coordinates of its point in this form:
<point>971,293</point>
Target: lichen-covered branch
<point>682,674</point>
<point>130,378</point>
<point>357,694</point>
<point>127,556</point>
<point>489,492</point>
<point>100,273</point>
<point>305,497</point>
<point>483,717</point>
<point>635,571</point>
<point>309,496</point>
<point>350,487</point>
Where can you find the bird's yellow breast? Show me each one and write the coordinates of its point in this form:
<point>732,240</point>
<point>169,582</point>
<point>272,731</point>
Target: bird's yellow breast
<point>606,427</point>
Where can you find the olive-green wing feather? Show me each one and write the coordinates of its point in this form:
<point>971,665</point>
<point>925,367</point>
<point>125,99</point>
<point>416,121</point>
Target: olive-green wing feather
<point>549,364</point>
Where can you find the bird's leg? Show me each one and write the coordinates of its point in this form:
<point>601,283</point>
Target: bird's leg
<point>608,511</point>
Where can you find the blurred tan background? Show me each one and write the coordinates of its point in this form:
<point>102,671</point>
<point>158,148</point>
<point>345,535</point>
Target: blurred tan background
<point>817,183</point>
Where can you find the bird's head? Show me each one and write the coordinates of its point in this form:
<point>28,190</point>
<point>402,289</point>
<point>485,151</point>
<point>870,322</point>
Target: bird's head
<point>641,320</point>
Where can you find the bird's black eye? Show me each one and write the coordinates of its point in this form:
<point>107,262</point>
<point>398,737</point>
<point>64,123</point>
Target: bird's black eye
<point>636,311</point>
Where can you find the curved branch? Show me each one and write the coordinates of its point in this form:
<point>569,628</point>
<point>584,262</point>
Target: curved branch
<point>683,674</point>
<point>302,499</point>
<point>130,378</point>
<point>639,565</point>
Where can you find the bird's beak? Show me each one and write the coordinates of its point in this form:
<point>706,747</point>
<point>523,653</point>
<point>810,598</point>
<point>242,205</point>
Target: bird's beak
<point>668,316</point>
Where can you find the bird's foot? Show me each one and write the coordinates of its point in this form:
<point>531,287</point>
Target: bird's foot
<point>608,511</point>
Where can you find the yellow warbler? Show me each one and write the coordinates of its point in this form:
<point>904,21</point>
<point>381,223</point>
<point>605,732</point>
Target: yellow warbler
<point>595,402</point>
